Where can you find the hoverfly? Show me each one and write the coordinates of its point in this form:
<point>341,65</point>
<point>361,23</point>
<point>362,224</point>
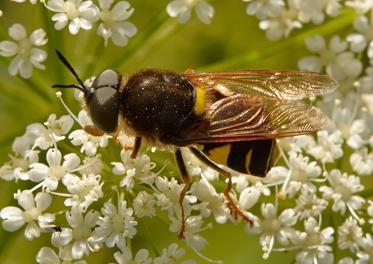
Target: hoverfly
<point>230,118</point>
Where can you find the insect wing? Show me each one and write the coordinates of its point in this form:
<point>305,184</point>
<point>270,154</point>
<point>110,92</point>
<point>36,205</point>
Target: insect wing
<point>258,105</point>
<point>280,85</point>
<point>241,117</point>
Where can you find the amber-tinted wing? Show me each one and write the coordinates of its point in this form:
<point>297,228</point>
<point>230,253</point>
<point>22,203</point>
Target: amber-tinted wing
<point>259,105</point>
<point>281,85</point>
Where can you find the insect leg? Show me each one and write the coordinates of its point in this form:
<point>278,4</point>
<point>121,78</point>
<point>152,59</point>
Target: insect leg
<point>119,129</point>
<point>234,208</point>
<point>184,174</point>
<point>94,131</point>
<point>136,147</point>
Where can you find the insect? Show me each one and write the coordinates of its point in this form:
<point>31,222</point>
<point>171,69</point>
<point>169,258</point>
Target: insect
<point>229,120</point>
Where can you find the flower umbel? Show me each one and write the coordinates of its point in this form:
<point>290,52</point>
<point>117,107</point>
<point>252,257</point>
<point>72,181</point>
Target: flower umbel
<point>25,49</point>
<point>91,201</point>
<point>75,13</point>
<point>113,22</point>
<point>182,10</point>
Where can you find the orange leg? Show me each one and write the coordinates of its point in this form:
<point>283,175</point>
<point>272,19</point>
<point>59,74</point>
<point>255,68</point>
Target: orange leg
<point>235,211</point>
<point>136,147</point>
<point>94,131</point>
<point>184,174</point>
<point>119,128</point>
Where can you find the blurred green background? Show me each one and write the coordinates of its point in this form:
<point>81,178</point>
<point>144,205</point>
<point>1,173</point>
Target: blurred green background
<point>232,41</point>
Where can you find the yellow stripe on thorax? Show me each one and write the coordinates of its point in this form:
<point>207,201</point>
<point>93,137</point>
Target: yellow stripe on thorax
<point>200,102</point>
<point>220,154</point>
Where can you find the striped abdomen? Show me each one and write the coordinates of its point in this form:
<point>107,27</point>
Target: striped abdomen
<point>254,157</point>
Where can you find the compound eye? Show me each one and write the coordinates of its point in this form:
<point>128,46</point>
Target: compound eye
<point>107,78</point>
<point>103,106</point>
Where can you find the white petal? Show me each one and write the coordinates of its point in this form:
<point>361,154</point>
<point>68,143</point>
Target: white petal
<point>142,255</point>
<point>17,32</point>
<point>315,44</point>
<point>46,218</point>
<point>90,149</point>
<point>38,172</point>
<point>120,40</point>
<point>25,69</point>
<point>74,26</point>
<point>78,249</point>
<point>8,48</point>
<point>71,162</point>
<point>85,24</point>
<point>55,5</point>
<point>183,17</point>
<point>61,21</point>
<point>176,7</point>
<point>370,50</point>
<point>15,65</point>
<point>67,123</point>
<point>75,219</point>
<point>13,218</point>
<point>60,239</point>
<point>105,4</point>
<point>337,45</point>
<point>368,100</point>
<point>70,179</point>
<point>37,56</point>
<point>118,168</point>
<point>311,63</point>
<point>38,37</point>
<point>89,11</point>
<point>26,200</point>
<point>91,218</point>
<point>47,255</point>
<point>43,200</point>
<point>60,24</point>
<point>287,217</point>
<point>204,12</point>
<point>121,11</point>
<point>51,184</point>
<point>248,198</point>
<point>358,42</point>
<point>32,231</point>
<point>129,29</point>
<point>361,24</point>
<point>104,32</point>
<point>54,157</point>
<point>268,211</point>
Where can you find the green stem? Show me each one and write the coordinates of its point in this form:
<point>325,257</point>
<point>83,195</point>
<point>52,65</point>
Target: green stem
<point>90,69</point>
<point>54,42</point>
<point>241,60</point>
<point>150,239</point>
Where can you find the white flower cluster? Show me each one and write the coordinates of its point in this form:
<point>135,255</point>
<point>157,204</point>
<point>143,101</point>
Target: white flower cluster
<point>25,49</point>
<point>182,10</point>
<point>78,14</point>
<point>309,179</point>
<point>112,20</point>
<point>79,179</point>
<point>279,17</point>
<point>314,202</point>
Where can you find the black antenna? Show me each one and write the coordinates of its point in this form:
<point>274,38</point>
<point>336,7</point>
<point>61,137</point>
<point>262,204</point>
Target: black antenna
<point>68,86</point>
<point>71,69</point>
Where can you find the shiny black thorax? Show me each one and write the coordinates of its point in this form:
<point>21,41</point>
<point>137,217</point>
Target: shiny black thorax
<point>158,105</point>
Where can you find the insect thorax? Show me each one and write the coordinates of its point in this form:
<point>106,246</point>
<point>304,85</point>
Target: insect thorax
<point>158,105</point>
